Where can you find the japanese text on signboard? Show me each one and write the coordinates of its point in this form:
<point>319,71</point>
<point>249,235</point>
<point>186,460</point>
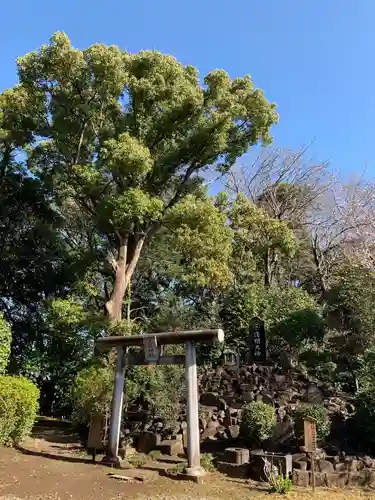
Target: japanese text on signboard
<point>257,340</point>
<point>310,435</point>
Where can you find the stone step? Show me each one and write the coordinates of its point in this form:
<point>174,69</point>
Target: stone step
<point>171,447</point>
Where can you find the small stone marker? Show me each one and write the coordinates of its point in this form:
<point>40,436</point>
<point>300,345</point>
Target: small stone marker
<point>238,456</point>
<point>257,341</point>
<point>309,427</point>
<point>95,439</point>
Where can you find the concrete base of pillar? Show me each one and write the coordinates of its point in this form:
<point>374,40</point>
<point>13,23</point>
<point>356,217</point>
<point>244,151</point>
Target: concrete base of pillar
<point>112,462</point>
<point>195,472</point>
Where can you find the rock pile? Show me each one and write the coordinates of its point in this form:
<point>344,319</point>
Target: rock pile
<point>226,390</point>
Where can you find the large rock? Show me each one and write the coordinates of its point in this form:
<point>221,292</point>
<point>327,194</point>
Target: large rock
<point>211,429</point>
<point>147,442</point>
<point>210,399</point>
<point>325,466</point>
<point>172,447</point>
<point>237,456</point>
<point>234,431</point>
<point>314,395</point>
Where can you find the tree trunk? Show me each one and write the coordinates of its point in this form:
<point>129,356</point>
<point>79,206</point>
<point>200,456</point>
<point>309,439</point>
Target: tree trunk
<point>318,259</point>
<point>267,269</point>
<point>125,266</point>
<point>270,261</point>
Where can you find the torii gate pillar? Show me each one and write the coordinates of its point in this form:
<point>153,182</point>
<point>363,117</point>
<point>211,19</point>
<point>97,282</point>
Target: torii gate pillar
<point>151,343</point>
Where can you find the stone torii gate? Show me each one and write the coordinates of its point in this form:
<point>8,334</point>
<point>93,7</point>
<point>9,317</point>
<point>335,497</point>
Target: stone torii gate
<point>153,344</point>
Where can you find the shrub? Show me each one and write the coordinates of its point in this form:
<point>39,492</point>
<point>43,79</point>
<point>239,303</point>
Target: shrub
<point>5,342</point>
<point>161,387</point>
<point>178,469</point>
<point>155,455</point>
<point>279,484</point>
<point>318,413</point>
<point>258,421</point>
<point>363,422</point>
<point>19,401</point>
<point>207,462</point>
<point>137,460</point>
<point>92,391</point>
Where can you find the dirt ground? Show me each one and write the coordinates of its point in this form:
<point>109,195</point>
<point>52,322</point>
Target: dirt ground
<point>51,466</point>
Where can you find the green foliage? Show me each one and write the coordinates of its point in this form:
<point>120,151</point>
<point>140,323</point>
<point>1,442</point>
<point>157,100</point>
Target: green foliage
<point>258,231</point>
<point>203,239</point>
<point>18,408</point>
<point>366,372</point>
<point>351,314</point>
<point>258,421</point>
<point>351,299</point>
<point>92,391</point>
<point>363,422</point>
<point>155,455</point>
<point>279,484</point>
<point>207,462</point>
<point>259,241</point>
<point>316,412</point>
<point>291,316</point>
<point>127,138</point>
<point>178,469</point>
<point>161,387</point>
<point>137,460</point>
<point>5,343</point>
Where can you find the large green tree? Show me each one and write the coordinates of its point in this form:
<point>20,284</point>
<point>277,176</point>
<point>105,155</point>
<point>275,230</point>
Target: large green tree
<point>127,138</point>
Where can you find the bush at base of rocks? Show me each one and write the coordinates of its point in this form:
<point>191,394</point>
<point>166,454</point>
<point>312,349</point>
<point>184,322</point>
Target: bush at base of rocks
<point>19,402</point>
<point>363,421</point>
<point>316,412</point>
<point>258,422</point>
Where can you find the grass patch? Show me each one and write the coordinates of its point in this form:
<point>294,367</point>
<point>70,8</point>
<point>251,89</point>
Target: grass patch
<point>155,455</point>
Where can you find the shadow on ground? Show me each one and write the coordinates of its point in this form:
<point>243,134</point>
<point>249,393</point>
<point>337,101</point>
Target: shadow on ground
<point>61,458</point>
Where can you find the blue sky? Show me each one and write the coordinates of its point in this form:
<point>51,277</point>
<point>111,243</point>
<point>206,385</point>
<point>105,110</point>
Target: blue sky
<point>314,58</point>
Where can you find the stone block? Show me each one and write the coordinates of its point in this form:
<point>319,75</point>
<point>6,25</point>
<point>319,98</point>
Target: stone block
<point>368,462</point>
<point>354,478</point>
<point>248,397</point>
<point>301,478</point>
<point>210,399</point>
<point>320,479</point>
<point>237,456</point>
<point>283,462</point>
<point>341,467</point>
<point>352,464</point>
<point>211,429</point>
<point>371,478</point>
<point>233,470</point>
<point>234,431</point>
<point>342,479</point>
<point>171,447</point>
<point>185,438</point>
<point>147,442</point>
<point>314,394</point>
<point>299,465</point>
<point>325,466</point>
<point>332,480</point>
<point>361,478</point>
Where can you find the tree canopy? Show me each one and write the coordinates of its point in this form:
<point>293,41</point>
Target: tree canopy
<point>110,223</point>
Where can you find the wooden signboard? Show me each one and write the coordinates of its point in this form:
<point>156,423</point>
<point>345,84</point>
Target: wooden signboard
<point>310,435</point>
<point>309,427</point>
<point>95,439</point>
<point>151,348</point>
<point>257,341</point>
